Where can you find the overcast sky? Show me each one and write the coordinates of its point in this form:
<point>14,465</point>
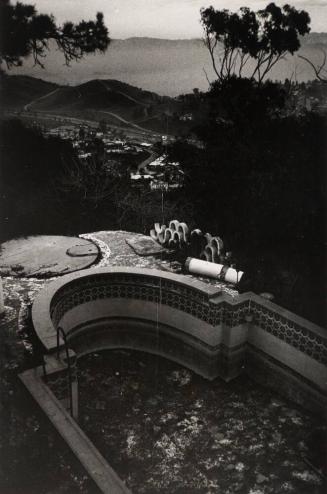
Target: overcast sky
<point>163,18</point>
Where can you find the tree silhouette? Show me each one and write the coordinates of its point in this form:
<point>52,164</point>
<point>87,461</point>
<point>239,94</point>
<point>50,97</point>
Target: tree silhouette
<point>24,32</point>
<point>252,39</point>
<point>320,69</point>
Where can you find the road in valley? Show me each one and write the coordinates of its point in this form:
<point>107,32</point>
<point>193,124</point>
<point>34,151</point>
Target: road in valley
<point>64,119</point>
<point>103,83</point>
<point>126,121</point>
<point>143,167</point>
<point>39,114</point>
<point>28,106</point>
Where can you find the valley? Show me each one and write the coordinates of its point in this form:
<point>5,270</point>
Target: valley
<point>115,104</point>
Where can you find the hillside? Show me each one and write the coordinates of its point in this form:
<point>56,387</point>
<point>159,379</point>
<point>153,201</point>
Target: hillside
<point>17,91</point>
<point>166,67</point>
<point>118,103</point>
<point>100,95</point>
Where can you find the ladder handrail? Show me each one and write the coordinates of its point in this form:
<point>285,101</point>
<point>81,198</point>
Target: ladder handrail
<point>61,332</point>
<point>45,375</point>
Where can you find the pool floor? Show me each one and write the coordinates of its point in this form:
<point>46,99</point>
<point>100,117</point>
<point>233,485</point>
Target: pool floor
<point>164,429</point>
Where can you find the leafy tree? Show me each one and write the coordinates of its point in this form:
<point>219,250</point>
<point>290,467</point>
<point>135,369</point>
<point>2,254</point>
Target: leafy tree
<point>42,179</point>
<point>24,32</point>
<point>258,183</point>
<point>252,39</point>
<point>242,101</point>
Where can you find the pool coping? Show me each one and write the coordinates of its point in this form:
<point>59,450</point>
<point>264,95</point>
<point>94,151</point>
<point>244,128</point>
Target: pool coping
<point>47,334</point>
<point>83,448</point>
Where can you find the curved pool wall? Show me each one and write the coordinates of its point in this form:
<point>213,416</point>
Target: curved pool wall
<point>190,322</point>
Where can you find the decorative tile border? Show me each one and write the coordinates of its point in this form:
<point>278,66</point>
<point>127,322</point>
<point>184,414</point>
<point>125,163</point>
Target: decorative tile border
<point>235,315</point>
<point>189,300</point>
<point>147,288</point>
<point>293,334</point>
<point>203,302</point>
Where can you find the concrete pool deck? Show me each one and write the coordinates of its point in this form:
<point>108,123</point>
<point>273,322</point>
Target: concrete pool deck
<point>46,256</point>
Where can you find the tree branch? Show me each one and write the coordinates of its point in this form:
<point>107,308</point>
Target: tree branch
<point>319,69</point>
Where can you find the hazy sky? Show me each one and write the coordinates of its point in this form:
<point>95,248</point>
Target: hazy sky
<point>163,18</point>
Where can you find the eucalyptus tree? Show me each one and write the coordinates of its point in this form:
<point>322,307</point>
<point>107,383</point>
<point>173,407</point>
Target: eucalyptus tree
<point>252,41</point>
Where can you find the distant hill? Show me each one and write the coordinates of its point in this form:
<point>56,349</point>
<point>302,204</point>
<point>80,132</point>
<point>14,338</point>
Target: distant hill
<point>116,102</point>
<point>166,67</point>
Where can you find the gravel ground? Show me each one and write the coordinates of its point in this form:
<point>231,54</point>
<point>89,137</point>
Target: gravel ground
<point>164,429</point>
